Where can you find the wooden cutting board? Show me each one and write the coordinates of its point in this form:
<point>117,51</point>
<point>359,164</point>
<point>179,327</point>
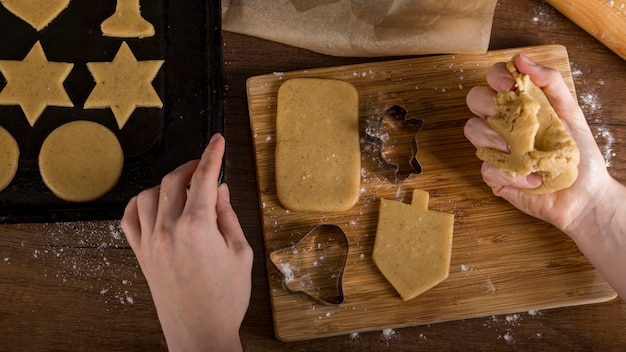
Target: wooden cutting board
<point>605,20</point>
<point>503,261</point>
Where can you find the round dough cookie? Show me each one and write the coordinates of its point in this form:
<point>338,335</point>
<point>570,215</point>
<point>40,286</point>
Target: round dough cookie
<point>81,161</point>
<point>9,156</point>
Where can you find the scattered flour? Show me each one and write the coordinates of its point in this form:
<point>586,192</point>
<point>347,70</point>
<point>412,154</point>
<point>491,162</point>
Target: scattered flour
<point>389,334</point>
<point>285,268</point>
<point>508,337</point>
<point>513,319</point>
<point>490,286</point>
<point>354,336</point>
<point>98,262</point>
<point>591,104</point>
<point>544,15</point>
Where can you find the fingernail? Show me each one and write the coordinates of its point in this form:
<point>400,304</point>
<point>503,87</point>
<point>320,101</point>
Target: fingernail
<point>224,192</point>
<point>506,83</point>
<point>527,60</point>
<point>213,138</point>
<point>534,180</point>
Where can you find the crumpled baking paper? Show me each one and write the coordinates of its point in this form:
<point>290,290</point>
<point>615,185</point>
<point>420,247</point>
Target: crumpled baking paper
<point>366,28</point>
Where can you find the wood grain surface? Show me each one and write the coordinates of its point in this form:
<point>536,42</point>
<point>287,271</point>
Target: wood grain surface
<point>494,269</point>
<point>78,287</point>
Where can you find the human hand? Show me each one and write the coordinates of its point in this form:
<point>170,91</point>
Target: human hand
<point>560,208</point>
<point>194,255</point>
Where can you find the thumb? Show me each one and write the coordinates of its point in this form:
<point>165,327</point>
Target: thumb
<point>554,86</point>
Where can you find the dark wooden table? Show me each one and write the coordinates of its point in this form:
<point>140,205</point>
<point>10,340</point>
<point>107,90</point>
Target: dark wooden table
<point>77,286</point>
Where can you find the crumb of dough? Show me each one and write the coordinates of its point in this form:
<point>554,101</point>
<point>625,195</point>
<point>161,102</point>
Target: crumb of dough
<point>318,151</point>
<point>538,140</point>
<point>127,22</point>
<point>9,158</point>
<point>413,245</point>
<point>81,161</point>
<point>35,83</point>
<point>37,13</point>
<point>124,84</point>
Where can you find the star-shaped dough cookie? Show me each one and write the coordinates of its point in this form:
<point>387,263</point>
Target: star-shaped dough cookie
<point>124,84</point>
<point>35,83</point>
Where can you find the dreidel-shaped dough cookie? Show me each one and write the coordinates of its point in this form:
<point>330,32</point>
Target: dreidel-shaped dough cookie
<point>413,245</point>
<point>127,22</point>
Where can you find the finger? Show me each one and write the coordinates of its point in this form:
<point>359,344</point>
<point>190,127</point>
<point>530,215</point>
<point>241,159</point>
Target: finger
<point>553,85</point>
<point>147,207</point>
<point>499,78</point>
<point>480,101</point>
<point>496,178</point>
<point>173,193</point>
<point>202,197</point>
<point>227,220</point>
<point>478,132</point>
<point>130,224</point>
<point>564,103</point>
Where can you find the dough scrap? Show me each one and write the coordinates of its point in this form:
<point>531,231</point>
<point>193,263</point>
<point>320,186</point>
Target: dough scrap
<point>81,161</point>
<point>35,83</point>
<point>318,151</point>
<point>37,13</point>
<point>127,22</point>
<point>538,140</point>
<point>9,158</point>
<point>413,245</point>
<point>124,84</point>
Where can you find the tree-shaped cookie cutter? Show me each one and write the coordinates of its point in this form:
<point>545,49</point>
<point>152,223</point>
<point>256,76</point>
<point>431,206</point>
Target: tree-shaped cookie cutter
<point>389,133</point>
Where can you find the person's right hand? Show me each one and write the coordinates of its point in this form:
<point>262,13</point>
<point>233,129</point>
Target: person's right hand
<point>194,255</point>
<point>563,208</point>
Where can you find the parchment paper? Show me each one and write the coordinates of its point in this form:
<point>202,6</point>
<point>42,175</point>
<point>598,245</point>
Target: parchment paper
<point>366,27</point>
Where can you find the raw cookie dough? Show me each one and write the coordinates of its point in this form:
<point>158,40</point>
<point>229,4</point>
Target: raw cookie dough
<point>124,84</point>
<point>37,13</point>
<point>318,151</point>
<point>9,157</point>
<point>413,245</point>
<point>81,161</point>
<point>127,22</point>
<point>35,83</point>
<point>538,140</point>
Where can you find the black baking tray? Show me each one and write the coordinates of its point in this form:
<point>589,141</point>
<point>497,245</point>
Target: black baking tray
<point>155,141</point>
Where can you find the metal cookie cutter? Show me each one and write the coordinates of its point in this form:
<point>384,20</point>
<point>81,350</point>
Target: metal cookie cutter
<point>314,266</point>
<point>390,133</point>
